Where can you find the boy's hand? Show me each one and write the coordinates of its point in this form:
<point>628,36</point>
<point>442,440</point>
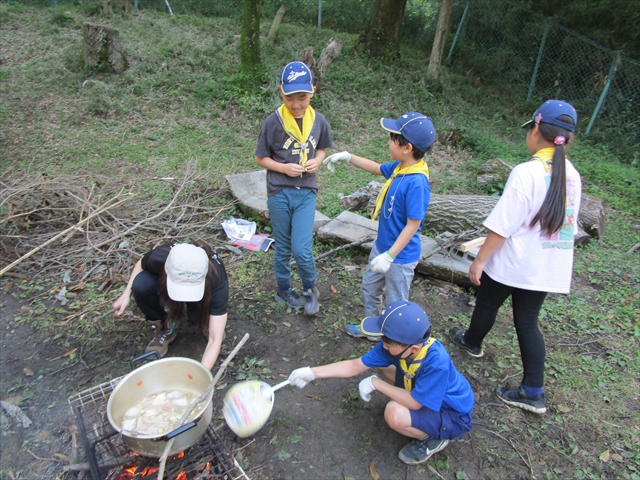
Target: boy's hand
<point>331,160</point>
<point>366,387</point>
<point>382,262</point>
<point>301,376</point>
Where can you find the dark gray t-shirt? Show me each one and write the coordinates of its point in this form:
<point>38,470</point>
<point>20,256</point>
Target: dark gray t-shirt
<point>273,142</point>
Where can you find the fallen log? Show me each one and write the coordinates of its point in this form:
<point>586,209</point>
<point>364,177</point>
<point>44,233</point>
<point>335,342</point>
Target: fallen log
<point>457,213</point>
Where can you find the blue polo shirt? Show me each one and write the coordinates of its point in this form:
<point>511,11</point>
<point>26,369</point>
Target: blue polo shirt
<point>437,385</point>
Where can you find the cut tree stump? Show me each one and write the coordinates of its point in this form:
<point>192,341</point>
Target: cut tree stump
<point>456,213</point>
<point>101,48</point>
<point>320,68</point>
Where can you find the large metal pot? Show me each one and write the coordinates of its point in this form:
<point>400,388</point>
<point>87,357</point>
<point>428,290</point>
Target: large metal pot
<point>174,373</point>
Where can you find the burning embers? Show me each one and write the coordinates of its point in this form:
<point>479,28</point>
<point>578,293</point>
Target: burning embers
<point>109,458</point>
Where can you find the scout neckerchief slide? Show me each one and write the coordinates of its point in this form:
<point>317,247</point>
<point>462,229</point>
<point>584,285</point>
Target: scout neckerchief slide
<point>420,167</point>
<point>545,156</point>
<point>414,366</point>
<point>291,128</point>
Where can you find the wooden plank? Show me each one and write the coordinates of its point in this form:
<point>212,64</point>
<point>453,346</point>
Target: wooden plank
<point>471,244</point>
<point>349,227</point>
<point>250,189</point>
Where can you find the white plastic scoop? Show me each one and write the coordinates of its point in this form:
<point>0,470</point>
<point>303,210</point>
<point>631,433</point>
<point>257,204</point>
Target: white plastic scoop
<point>247,405</point>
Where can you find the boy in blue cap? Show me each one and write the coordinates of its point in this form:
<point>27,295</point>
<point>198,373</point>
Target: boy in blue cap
<point>402,203</point>
<point>431,401</point>
<point>291,146</point>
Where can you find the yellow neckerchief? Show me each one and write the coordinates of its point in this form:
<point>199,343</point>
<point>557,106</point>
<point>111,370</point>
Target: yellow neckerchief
<point>545,156</point>
<point>420,167</point>
<point>410,371</point>
<point>291,128</point>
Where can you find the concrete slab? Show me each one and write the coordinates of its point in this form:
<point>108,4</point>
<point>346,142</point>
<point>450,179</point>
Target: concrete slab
<point>251,190</point>
<point>350,227</point>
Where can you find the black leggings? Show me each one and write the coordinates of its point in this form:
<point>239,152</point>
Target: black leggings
<point>526,307</point>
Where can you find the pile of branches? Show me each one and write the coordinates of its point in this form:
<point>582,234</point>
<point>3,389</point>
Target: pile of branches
<point>80,223</point>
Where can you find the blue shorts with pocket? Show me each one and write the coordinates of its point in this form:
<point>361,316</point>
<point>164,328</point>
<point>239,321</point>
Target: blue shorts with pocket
<point>445,424</point>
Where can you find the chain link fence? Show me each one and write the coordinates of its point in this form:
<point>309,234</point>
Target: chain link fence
<point>535,59</point>
<point>528,57</point>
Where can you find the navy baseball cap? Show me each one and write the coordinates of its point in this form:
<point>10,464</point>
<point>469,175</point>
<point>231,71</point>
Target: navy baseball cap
<point>296,77</point>
<point>400,321</point>
<point>549,112</point>
<point>414,126</point>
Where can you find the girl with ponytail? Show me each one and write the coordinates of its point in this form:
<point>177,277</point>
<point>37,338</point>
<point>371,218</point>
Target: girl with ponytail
<point>528,251</point>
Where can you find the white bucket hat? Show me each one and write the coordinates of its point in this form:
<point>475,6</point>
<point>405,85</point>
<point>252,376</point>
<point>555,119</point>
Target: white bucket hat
<point>186,267</point>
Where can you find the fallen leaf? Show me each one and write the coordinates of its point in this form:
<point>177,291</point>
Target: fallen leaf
<point>59,335</point>
<point>372,470</point>
<point>334,289</point>
<point>273,439</point>
<point>563,408</point>
<point>7,286</point>
<point>616,457</point>
<point>27,371</point>
<point>83,382</point>
<point>314,397</point>
<point>66,354</point>
<point>604,456</point>
<point>24,309</point>
<point>512,419</point>
<point>75,288</point>
<point>15,400</point>
<point>610,316</point>
<point>286,324</point>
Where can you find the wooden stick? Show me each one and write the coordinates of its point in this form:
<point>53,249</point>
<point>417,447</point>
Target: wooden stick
<point>471,244</point>
<point>197,401</point>
<point>64,232</point>
<point>348,245</point>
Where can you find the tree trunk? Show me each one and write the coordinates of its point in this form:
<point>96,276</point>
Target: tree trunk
<point>109,6</point>
<point>276,22</point>
<point>452,213</point>
<point>439,40</point>
<point>383,33</point>
<point>101,48</point>
<point>250,41</point>
<point>321,67</point>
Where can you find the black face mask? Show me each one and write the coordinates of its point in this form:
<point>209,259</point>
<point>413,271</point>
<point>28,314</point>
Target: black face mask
<point>398,356</point>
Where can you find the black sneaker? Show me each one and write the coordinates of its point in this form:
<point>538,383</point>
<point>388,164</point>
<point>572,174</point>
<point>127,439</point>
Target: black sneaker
<point>419,451</point>
<point>311,297</point>
<point>457,336</point>
<point>290,297</point>
<point>518,397</point>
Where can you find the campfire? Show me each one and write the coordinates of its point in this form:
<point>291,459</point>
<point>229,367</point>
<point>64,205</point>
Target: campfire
<point>109,458</point>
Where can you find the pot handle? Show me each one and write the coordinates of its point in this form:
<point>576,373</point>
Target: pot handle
<point>178,431</point>
<point>144,356</point>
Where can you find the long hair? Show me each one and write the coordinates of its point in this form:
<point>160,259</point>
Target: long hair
<point>174,308</point>
<point>553,210</point>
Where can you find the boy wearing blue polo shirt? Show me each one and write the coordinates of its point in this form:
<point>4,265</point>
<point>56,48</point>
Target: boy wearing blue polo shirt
<point>400,208</point>
<point>431,401</point>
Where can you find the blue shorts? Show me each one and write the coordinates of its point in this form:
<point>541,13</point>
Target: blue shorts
<point>445,424</point>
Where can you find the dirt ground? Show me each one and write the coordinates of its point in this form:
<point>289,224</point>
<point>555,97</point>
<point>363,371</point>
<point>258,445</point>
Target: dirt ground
<point>321,432</point>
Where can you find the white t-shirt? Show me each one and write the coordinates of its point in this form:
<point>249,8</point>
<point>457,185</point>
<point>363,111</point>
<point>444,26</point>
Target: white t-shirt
<point>529,259</point>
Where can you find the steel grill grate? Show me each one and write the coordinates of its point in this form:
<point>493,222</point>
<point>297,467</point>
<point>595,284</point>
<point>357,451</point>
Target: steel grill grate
<point>109,458</point>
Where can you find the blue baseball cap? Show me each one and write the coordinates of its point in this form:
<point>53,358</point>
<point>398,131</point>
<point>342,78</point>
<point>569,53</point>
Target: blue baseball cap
<point>414,126</point>
<point>549,112</point>
<point>296,77</point>
<point>400,321</point>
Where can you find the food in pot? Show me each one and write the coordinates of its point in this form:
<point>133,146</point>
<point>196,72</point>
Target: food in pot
<point>159,413</point>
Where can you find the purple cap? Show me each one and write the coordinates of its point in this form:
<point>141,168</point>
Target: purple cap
<point>400,321</point>
<point>296,77</point>
<point>549,112</point>
<point>414,126</point>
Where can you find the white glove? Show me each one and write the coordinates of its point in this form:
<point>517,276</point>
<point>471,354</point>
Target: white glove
<point>366,387</point>
<point>331,160</point>
<point>301,376</point>
<point>382,262</point>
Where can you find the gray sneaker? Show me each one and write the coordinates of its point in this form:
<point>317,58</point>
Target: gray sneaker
<point>311,298</point>
<point>419,451</point>
<point>290,298</point>
<point>162,337</point>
